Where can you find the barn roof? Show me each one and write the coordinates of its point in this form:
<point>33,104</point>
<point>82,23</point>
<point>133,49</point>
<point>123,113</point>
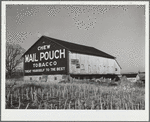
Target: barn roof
<point>77,48</point>
<point>133,75</point>
<point>81,48</point>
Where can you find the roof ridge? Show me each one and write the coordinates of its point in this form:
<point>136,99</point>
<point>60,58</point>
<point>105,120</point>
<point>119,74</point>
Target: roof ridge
<point>68,42</point>
<point>81,48</point>
<point>79,45</point>
<point>74,47</point>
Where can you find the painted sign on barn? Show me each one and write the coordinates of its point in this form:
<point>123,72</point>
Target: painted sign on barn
<point>45,57</point>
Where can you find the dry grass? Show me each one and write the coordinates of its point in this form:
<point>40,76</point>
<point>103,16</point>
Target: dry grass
<point>37,95</point>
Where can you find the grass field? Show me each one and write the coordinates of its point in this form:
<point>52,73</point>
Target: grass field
<point>44,95</point>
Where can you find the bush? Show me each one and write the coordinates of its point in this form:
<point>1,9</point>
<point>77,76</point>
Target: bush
<point>139,83</point>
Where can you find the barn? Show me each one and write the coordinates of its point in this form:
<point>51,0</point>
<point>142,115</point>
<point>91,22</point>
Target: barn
<point>140,77</point>
<point>54,60</point>
<point>130,77</point>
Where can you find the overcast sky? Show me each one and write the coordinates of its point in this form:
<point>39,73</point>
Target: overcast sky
<point>116,30</point>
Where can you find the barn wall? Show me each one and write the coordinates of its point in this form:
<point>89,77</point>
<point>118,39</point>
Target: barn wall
<point>46,78</point>
<point>117,68</point>
<point>88,64</point>
<point>45,57</point>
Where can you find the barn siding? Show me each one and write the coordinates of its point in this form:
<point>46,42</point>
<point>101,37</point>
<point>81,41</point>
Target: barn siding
<point>89,64</point>
<point>46,78</point>
<point>118,68</point>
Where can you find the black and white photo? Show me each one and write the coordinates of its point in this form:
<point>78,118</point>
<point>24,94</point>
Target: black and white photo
<point>66,60</point>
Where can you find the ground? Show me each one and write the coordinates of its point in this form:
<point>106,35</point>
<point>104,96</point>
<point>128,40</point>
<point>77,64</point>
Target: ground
<point>78,94</point>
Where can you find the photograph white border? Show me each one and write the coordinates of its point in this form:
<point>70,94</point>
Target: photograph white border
<point>74,115</point>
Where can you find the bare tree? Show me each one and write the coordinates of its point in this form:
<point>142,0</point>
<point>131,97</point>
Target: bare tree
<point>13,57</point>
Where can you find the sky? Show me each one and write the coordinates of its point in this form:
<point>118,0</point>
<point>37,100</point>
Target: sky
<point>116,30</point>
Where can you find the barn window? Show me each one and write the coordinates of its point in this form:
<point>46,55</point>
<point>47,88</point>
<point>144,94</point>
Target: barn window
<point>74,61</point>
<point>55,78</point>
<point>115,69</point>
<point>77,65</point>
<point>30,78</point>
<point>82,66</point>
